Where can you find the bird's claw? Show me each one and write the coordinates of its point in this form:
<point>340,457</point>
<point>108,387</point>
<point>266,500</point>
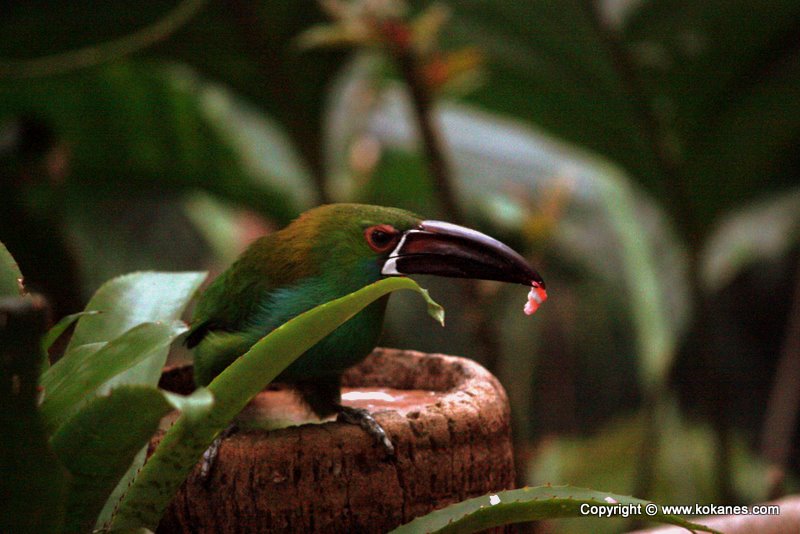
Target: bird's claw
<point>212,452</point>
<point>362,418</point>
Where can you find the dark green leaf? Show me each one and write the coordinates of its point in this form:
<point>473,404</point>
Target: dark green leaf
<point>82,372</point>
<point>10,277</point>
<point>251,47</point>
<point>33,482</point>
<point>99,443</point>
<point>166,136</point>
<point>22,28</point>
<point>530,504</point>
<point>685,96</point>
<point>186,440</point>
<point>719,80</point>
<point>549,63</point>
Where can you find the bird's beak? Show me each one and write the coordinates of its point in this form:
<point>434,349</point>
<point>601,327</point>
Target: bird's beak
<point>445,249</point>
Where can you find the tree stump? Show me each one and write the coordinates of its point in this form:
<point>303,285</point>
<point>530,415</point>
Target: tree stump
<point>448,418</point>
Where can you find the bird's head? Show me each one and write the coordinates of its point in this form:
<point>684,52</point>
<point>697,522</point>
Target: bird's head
<point>393,242</point>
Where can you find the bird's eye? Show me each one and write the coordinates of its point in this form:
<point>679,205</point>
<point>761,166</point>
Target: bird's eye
<point>381,238</point>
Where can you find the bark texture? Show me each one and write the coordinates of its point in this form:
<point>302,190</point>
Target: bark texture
<point>451,444</point>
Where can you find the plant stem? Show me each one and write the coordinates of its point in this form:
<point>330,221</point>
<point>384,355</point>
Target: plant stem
<point>784,401</point>
<point>651,128</point>
<point>91,56</point>
<point>432,145</point>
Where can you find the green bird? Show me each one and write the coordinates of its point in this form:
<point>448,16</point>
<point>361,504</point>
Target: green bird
<point>329,252</point>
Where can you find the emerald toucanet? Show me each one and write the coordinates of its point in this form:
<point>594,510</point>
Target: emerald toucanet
<point>328,252</point>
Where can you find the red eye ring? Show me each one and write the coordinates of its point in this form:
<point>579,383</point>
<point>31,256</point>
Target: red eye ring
<point>382,237</point>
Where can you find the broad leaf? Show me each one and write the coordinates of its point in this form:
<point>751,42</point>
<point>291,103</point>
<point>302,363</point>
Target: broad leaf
<point>186,440</point>
<point>81,373</point>
<point>531,504</point>
<point>168,129</point>
<point>681,94</point>
<point>61,326</point>
<point>251,47</point>
<point>760,232</point>
<point>132,299</point>
<point>10,277</point>
<point>99,443</point>
<point>656,340</point>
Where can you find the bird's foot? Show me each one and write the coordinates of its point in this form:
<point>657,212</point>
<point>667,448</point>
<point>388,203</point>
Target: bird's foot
<point>362,418</point>
<point>212,452</point>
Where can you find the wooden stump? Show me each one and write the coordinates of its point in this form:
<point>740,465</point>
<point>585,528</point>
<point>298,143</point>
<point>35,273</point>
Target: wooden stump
<point>450,424</point>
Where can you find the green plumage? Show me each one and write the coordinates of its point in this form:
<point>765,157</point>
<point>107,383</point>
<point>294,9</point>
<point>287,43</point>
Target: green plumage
<point>321,256</point>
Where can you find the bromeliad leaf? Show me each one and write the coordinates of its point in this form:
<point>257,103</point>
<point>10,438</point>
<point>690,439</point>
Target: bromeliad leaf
<point>186,440</point>
<point>61,326</point>
<point>81,373</point>
<point>127,302</point>
<point>99,443</point>
<point>132,299</point>
<point>531,504</point>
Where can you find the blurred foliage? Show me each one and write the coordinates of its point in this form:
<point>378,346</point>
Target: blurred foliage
<point>640,152</point>
<point>75,429</point>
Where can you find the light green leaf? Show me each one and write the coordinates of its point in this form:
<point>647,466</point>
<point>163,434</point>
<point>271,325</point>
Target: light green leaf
<point>10,276</point>
<point>655,338</point>
<point>763,231</point>
<point>61,326</point>
<point>186,440</point>
<point>132,299</point>
<point>99,443</point>
<point>531,504</point>
<point>80,373</point>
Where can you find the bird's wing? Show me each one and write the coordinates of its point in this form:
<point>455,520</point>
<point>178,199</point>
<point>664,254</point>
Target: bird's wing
<point>225,307</point>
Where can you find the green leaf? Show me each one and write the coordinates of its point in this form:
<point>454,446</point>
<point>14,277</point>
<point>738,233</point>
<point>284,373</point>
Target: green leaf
<point>81,373</point>
<point>721,81</point>
<point>99,443</point>
<point>680,93</point>
<point>761,231</point>
<point>186,440</point>
<point>33,482</point>
<point>531,504</point>
<point>132,299</point>
<point>572,86</point>
<point>168,129</point>
<point>252,48</point>
<point>683,466</point>
<point>61,326</point>
<point>656,339</point>
<point>10,276</point>
<point>22,29</point>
